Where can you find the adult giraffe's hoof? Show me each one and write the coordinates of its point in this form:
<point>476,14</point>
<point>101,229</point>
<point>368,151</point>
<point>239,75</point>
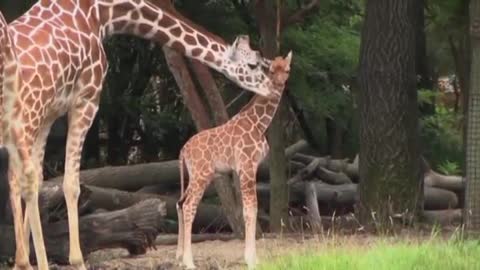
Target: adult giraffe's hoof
<point>23,267</point>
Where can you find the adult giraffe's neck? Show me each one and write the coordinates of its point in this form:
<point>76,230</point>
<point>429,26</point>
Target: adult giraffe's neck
<point>261,110</point>
<point>145,20</point>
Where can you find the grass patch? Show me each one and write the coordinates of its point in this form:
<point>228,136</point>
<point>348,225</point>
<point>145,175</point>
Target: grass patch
<point>433,254</point>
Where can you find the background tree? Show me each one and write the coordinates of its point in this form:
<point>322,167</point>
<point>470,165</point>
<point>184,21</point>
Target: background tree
<point>472,207</point>
<point>389,145</point>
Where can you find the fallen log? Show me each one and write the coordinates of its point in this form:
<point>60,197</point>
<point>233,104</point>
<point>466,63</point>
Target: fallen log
<point>450,182</point>
<point>208,218</point>
<point>196,238</point>
<point>335,165</point>
<point>439,199</point>
<point>131,178</point>
<point>312,207</point>
<point>305,173</point>
<point>331,177</point>
<point>52,204</point>
<point>165,174</point>
<point>338,196</point>
<point>134,229</point>
<point>442,217</point>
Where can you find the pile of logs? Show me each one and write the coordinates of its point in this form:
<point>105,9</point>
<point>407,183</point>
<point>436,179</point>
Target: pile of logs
<point>140,201</point>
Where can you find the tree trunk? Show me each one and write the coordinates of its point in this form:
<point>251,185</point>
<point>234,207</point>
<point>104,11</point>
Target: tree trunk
<point>472,206</point>
<point>421,60</point>
<point>176,64</point>
<point>268,18</point>
<point>389,147</point>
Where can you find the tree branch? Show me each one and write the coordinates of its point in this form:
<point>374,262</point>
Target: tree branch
<point>299,15</point>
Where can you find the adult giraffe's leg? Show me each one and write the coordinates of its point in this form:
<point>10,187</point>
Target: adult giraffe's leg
<point>39,154</point>
<point>247,175</point>
<point>29,188</point>
<point>80,118</point>
<point>21,255</point>
<point>193,195</point>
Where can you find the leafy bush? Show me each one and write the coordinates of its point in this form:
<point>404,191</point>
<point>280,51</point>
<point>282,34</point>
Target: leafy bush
<point>441,134</point>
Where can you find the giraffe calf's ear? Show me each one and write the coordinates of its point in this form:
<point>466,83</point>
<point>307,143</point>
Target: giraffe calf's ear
<point>288,59</point>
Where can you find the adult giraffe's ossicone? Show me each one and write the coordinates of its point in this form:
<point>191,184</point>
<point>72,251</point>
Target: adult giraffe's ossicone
<point>61,68</point>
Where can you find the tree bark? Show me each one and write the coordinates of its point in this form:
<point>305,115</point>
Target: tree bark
<point>389,147</point>
<point>176,64</point>
<point>421,60</point>
<point>472,205</point>
<point>268,18</point>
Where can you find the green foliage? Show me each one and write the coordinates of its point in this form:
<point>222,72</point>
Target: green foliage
<point>449,168</point>
<point>325,60</point>
<point>446,26</point>
<point>442,135</point>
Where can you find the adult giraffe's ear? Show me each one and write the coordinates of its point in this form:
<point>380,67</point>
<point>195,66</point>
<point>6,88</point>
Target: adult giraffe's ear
<point>233,49</point>
<point>288,59</point>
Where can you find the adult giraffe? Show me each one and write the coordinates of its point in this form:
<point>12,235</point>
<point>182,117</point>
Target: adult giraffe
<point>62,64</point>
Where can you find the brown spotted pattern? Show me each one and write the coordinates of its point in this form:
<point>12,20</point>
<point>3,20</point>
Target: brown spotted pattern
<point>238,145</point>
<point>57,66</point>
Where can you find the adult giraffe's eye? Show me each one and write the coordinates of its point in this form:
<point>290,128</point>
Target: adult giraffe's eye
<point>252,66</point>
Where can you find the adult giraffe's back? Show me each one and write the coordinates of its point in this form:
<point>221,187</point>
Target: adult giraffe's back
<point>63,65</point>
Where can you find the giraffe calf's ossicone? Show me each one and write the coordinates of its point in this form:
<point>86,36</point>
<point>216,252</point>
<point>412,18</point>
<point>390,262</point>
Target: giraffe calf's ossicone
<point>239,145</point>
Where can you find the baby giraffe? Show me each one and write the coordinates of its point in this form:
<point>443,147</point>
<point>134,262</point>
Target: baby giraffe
<point>238,145</point>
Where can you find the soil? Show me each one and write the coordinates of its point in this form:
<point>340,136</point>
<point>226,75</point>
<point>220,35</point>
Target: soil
<point>216,254</point>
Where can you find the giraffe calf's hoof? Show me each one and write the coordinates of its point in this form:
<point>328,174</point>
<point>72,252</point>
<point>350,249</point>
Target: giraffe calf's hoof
<point>78,265</point>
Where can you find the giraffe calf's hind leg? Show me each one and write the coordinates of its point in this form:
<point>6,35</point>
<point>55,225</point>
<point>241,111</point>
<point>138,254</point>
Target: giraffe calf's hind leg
<point>193,195</point>
<point>179,253</point>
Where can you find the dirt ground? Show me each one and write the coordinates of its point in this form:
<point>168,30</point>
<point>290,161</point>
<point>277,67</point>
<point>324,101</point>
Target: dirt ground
<point>219,255</point>
<point>208,255</point>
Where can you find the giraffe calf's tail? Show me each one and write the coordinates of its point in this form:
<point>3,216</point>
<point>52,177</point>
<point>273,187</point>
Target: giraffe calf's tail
<point>4,184</point>
<point>182,168</point>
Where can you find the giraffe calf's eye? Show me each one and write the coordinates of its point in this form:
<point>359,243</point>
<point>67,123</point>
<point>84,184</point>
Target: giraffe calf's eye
<point>252,66</point>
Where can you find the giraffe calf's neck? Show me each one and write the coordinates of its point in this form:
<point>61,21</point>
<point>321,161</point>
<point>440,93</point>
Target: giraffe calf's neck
<point>238,145</point>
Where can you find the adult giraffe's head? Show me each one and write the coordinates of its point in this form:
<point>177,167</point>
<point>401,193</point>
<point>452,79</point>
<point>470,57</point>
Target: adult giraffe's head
<point>245,66</point>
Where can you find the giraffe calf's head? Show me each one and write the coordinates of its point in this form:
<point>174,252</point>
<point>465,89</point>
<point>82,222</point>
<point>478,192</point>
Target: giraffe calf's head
<point>279,71</point>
